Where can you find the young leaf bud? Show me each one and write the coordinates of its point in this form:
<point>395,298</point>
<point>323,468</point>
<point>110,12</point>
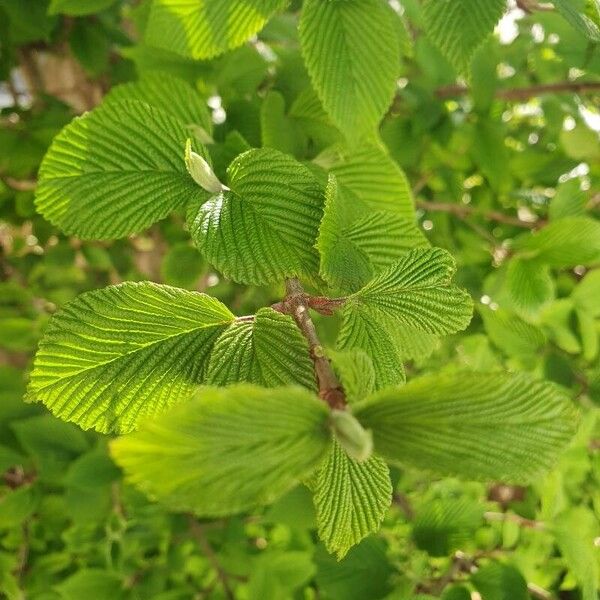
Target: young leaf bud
<point>201,171</point>
<point>356,441</point>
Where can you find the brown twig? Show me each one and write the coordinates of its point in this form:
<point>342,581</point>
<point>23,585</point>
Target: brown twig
<point>19,185</point>
<point>403,501</point>
<point>524,93</point>
<point>462,211</point>
<point>198,532</point>
<point>514,518</point>
<point>530,6</point>
<point>297,303</point>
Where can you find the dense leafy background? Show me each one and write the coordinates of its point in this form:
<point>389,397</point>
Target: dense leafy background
<point>505,177</point>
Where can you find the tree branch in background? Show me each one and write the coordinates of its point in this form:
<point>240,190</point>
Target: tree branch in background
<point>19,185</point>
<point>296,304</point>
<point>462,211</point>
<point>197,532</point>
<point>524,93</point>
<point>530,6</point>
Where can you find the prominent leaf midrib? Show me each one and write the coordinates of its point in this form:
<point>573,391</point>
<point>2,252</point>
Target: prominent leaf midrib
<point>122,356</point>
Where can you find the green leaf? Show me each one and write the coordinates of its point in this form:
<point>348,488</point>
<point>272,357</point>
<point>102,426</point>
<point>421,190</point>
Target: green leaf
<point>51,443</point>
<point>569,201</point>
<point>575,532</point>
<point>277,130</point>
<point>528,286</point>
<point>206,28</point>
<point>115,171</point>
<point>92,583</point>
<point>446,524</point>
<point>351,499</point>
<point>78,8</point>
<point>364,573</point>
<point>496,426</point>
<point>269,351</point>
<point>351,51</point>
<point>459,27</point>
<point>586,294</point>
<point>115,355</point>
<point>264,227</point>
<point>558,319</point>
<point>510,333</point>
<point>417,292</point>
<point>169,94</point>
<point>378,341</point>
<point>356,372</point>
<point>229,450</point>
<point>572,11</point>
<point>368,174</point>
<point>182,265</point>
<point>355,243</point>
<point>497,581</point>
<point>412,298</point>
<point>565,243</point>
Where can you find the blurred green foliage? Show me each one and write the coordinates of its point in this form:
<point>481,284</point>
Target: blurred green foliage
<point>492,156</point>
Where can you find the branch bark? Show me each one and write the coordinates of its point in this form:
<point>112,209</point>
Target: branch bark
<point>198,532</point>
<point>296,303</point>
<point>462,211</point>
<point>524,93</point>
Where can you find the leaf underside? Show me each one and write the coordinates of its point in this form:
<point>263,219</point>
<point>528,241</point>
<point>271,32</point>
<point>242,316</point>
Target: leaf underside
<point>230,450</point>
<point>507,427</point>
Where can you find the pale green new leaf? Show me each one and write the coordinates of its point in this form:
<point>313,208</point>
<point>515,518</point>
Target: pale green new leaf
<point>355,242</point>
<point>264,228</point>
<point>417,292</point>
<point>269,351</point>
<point>564,243</point>
<point>229,450</point>
<point>370,175</point>
<point>506,427</point>
<point>351,51</point>
<point>116,355</point>
<point>206,28</point>
<point>172,95</point>
<point>459,27</point>
<point>573,12</point>
<point>115,171</point>
<point>351,499</point>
